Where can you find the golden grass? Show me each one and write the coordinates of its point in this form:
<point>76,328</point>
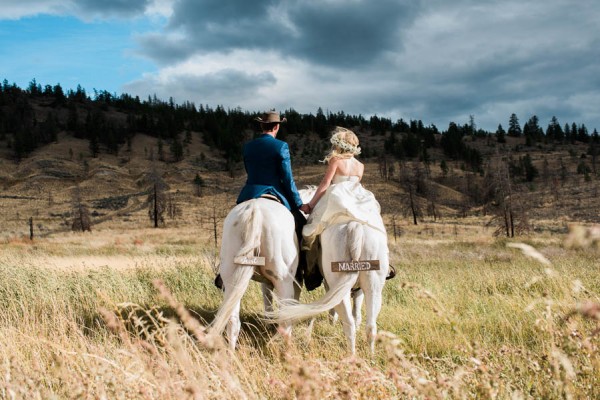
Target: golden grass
<point>466,317</point>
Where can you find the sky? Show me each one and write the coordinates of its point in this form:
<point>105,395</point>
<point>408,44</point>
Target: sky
<point>435,61</point>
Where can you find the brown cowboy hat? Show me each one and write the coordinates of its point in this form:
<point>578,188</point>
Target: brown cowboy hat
<point>270,117</point>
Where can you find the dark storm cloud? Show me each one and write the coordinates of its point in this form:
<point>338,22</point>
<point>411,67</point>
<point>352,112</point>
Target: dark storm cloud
<point>437,61</point>
<point>164,49</point>
<point>350,34</point>
<point>111,8</point>
<point>335,33</point>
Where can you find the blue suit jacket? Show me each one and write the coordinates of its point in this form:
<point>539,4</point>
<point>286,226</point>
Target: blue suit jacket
<point>267,162</point>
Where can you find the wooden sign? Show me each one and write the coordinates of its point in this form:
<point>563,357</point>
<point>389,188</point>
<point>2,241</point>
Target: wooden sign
<point>353,266</point>
<point>245,260</point>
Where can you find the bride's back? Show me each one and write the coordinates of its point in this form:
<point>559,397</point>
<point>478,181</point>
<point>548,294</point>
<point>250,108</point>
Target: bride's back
<point>349,167</point>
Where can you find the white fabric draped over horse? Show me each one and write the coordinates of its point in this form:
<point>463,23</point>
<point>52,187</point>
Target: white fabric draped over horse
<point>346,240</point>
<point>263,228</point>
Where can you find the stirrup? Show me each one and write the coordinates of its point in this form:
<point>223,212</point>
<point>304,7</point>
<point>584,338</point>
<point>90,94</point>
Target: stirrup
<point>391,273</point>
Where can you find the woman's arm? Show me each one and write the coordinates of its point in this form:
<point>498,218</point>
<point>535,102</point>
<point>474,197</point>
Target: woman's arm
<point>329,173</point>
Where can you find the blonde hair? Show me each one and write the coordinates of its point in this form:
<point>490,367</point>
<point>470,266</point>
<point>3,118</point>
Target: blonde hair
<point>344,144</point>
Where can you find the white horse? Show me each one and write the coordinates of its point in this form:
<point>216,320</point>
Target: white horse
<point>253,229</point>
<point>345,242</point>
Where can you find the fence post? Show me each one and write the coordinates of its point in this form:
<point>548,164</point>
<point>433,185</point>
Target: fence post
<point>30,228</point>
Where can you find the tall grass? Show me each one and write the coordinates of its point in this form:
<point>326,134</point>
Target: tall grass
<point>468,318</point>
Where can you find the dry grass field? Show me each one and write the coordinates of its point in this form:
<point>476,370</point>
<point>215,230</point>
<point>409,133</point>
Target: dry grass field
<point>120,312</point>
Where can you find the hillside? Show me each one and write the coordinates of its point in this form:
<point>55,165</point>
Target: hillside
<point>115,187</point>
<point>60,150</point>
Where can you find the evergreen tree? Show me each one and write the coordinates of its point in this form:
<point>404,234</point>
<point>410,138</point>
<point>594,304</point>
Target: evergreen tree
<point>514,129</point>
<point>94,146</point>
<point>59,95</point>
<point>529,169</point>
<point>582,134</point>
<point>500,134</point>
<point>198,184</point>
<point>176,150</point>
<point>444,168</point>
<point>554,131</point>
<point>532,130</point>
<point>73,119</point>
<point>452,142</point>
<point>320,127</point>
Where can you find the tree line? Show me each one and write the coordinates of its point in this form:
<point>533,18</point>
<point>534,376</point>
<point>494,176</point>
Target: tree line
<point>34,116</point>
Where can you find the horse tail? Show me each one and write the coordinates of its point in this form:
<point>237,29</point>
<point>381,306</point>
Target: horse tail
<point>356,238</point>
<point>291,310</point>
<point>233,295</point>
<point>251,221</point>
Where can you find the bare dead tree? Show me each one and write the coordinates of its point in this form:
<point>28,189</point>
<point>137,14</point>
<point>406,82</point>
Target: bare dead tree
<point>500,191</point>
<point>411,181</point>
<point>545,171</point>
<point>594,151</point>
<point>509,213</point>
<point>173,209</point>
<point>430,192</point>
<point>80,214</point>
<point>216,215</point>
<point>156,200</point>
<point>383,167</point>
<point>395,228</point>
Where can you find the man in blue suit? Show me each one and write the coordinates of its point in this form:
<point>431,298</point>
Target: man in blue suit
<point>268,165</point>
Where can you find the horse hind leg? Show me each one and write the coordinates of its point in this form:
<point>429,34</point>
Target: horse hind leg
<point>373,294</point>
<point>332,313</point>
<point>357,296</point>
<point>236,284</point>
<point>284,289</point>
<point>267,292</point>
<point>234,327</point>
<point>344,309</point>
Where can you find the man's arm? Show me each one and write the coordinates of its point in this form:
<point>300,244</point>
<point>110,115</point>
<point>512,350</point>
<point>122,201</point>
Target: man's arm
<point>286,177</point>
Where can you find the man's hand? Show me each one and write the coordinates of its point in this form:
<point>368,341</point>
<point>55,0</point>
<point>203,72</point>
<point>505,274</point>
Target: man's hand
<point>305,208</point>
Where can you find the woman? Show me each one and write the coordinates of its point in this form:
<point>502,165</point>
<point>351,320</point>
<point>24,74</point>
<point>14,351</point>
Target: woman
<point>340,197</point>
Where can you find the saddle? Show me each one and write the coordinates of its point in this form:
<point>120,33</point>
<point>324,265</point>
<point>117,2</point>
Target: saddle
<point>269,196</point>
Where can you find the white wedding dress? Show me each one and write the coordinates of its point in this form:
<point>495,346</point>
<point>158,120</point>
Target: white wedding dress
<point>345,200</point>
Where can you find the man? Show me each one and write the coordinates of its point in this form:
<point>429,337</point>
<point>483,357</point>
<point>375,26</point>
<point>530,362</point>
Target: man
<point>269,169</point>
<point>268,165</point>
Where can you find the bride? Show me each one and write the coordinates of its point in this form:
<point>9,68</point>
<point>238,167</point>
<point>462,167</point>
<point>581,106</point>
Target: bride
<point>340,197</point>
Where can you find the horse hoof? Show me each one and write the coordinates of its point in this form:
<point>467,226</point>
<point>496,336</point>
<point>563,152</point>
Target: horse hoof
<point>219,282</point>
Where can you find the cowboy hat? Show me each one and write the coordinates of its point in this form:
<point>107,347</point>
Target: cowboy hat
<point>270,117</point>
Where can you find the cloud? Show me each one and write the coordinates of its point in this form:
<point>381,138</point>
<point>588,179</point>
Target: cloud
<point>495,58</point>
<point>15,9</point>
<point>434,61</point>
<point>333,33</point>
<point>111,8</point>
<point>437,61</point>
<point>204,82</point>
<point>83,9</point>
